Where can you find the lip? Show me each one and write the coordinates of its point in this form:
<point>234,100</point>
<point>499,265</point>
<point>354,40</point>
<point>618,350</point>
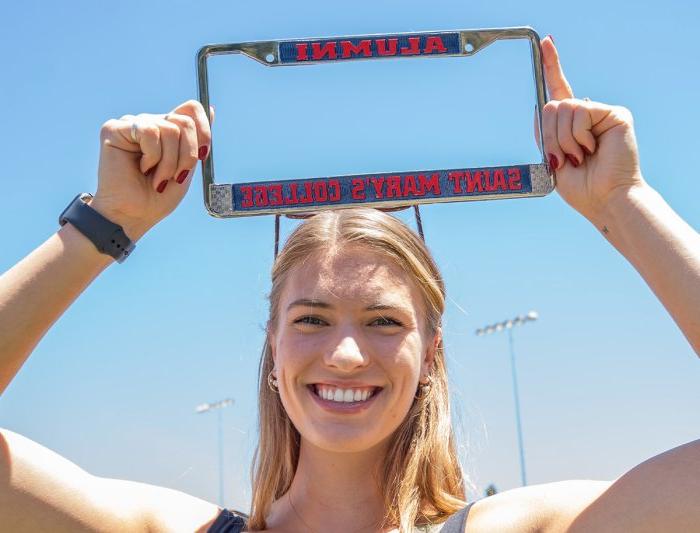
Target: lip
<point>345,384</point>
<point>343,407</point>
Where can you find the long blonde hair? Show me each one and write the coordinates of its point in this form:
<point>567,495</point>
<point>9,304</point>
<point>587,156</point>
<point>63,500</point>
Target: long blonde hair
<point>422,479</point>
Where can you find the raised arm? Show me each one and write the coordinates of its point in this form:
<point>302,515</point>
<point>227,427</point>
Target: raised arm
<point>132,173</point>
<point>593,149</point>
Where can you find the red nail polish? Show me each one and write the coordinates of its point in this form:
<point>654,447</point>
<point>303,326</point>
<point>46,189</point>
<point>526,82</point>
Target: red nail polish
<point>553,162</point>
<point>149,171</point>
<point>572,160</point>
<point>585,149</point>
<point>203,151</point>
<point>183,176</point>
<point>162,186</point>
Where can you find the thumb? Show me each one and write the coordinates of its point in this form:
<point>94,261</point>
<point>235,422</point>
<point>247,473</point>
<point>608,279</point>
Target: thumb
<point>559,88</point>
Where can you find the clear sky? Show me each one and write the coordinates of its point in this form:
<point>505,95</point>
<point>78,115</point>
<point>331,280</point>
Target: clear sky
<point>606,378</point>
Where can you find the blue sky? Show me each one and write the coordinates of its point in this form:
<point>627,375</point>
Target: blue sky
<point>606,379</point>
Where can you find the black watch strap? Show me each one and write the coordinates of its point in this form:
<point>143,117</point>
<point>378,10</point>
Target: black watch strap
<point>109,238</point>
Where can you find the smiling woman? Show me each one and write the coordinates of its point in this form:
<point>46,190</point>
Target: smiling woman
<point>355,311</point>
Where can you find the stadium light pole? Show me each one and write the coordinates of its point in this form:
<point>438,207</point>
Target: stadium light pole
<point>203,408</point>
<point>508,325</point>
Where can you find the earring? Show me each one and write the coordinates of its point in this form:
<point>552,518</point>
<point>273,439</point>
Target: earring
<point>272,383</point>
<point>424,388</point>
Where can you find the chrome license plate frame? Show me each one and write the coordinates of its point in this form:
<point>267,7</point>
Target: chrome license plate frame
<point>385,190</point>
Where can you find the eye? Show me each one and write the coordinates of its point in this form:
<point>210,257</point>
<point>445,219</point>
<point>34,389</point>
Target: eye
<point>310,321</point>
<point>385,321</point>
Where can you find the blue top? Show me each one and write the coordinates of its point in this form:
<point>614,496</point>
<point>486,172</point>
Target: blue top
<point>231,522</point>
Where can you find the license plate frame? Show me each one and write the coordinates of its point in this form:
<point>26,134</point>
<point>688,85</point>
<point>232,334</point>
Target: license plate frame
<point>385,190</point>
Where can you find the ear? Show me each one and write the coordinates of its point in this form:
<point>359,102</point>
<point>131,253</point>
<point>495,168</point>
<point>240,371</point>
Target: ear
<point>429,359</point>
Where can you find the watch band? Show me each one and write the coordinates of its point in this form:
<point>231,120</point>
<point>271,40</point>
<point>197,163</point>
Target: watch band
<point>109,238</point>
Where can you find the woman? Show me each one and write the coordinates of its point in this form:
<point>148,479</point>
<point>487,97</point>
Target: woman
<point>354,414</point>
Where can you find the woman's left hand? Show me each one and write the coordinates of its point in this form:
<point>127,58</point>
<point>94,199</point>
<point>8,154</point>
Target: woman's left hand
<point>591,146</point>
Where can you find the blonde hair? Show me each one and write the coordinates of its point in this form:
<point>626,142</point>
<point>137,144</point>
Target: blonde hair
<point>422,479</point>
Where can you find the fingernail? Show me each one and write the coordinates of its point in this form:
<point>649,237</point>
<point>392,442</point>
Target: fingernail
<point>149,172</point>
<point>553,162</point>
<point>162,186</point>
<point>203,151</point>
<point>588,152</point>
<point>572,160</point>
<point>550,38</point>
<point>183,176</point>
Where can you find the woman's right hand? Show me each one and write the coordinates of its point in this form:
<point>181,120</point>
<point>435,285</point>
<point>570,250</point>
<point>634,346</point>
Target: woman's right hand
<point>142,179</point>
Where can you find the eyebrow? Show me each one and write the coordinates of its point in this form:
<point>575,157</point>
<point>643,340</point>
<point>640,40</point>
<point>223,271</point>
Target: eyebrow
<point>307,302</point>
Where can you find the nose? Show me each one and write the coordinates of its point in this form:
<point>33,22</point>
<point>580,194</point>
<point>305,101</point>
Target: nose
<point>346,354</point>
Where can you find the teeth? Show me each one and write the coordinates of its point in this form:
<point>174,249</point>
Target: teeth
<point>335,394</point>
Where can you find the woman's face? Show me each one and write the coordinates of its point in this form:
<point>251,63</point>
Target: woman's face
<point>350,345</point>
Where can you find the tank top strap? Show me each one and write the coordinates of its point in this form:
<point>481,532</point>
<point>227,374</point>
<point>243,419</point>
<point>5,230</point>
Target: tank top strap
<point>227,522</point>
<point>457,523</point>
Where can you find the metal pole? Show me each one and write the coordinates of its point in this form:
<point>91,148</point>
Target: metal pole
<point>516,397</point>
<point>204,408</point>
<point>221,457</point>
<point>509,325</point>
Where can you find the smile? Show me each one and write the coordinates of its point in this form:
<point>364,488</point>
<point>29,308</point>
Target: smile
<point>345,399</point>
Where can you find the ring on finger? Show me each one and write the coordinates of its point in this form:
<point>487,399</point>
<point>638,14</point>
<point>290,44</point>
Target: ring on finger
<point>134,130</point>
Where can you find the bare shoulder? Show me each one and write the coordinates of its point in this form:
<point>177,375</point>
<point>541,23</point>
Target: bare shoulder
<point>537,508</point>
<point>40,487</point>
<point>660,494</point>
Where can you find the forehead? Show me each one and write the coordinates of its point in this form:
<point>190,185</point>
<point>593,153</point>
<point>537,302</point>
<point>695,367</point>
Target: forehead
<point>352,275</point>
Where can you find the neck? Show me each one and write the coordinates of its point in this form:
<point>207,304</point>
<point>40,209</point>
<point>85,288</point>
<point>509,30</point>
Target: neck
<point>336,491</point>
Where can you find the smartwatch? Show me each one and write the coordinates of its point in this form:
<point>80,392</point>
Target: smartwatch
<point>109,238</point>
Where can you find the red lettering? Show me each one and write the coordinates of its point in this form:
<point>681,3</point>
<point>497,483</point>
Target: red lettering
<point>377,183</point>
<point>275,192</point>
<point>382,49</point>
<point>358,189</point>
<point>434,43</point>
<point>514,179</point>
<point>409,186</point>
<point>247,192</point>
<point>292,199</point>
<point>393,187</point>
<point>320,191</point>
<point>308,198</point>
<point>364,47</point>
<point>456,178</point>
<point>413,47</point>
<point>433,185</point>
<point>474,181</point>
<point>260,195</point>
<point>302,52</point>
<point>328,49</point>
<point>334,189</point>
<point>499,180</point>
<point>488,184</point>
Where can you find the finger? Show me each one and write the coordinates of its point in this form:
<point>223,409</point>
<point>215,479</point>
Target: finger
<point>581,129</point>
<point>555,155</point>
<point>170,151</point>
<point>565,134</point>
<point>559,88</point>
<point>139,134</point>
<point>187,155</point>
<point>194,110</point>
